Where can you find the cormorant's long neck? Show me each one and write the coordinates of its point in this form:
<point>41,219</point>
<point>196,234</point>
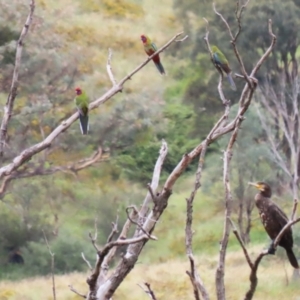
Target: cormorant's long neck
<point>261,200</point>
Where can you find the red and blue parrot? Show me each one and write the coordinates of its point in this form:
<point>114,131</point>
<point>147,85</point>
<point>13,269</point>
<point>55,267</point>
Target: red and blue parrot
<point>151,48</point>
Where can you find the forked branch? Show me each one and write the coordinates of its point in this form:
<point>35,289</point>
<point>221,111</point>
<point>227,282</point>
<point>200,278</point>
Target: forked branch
<point>28,153</point>
<point>193,274</point>
<point>148,290</point>
<point>8,108</point>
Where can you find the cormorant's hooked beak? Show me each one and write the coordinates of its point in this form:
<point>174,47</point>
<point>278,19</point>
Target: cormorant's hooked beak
<point>257,185</point>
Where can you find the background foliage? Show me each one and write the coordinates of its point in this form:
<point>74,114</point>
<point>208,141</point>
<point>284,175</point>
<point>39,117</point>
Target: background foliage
<point>67,46</point>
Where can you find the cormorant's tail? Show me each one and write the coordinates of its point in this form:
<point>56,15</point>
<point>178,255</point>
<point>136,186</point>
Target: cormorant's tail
<point>232,84</point>
<point>84,123</point>
<point>292,258</point>
<point>160,68</point>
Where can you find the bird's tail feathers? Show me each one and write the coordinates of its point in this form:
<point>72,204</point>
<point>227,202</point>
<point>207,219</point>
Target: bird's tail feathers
<point>292,258</point>
<point>84,123</point>
<point>160,68</point>
<point>232,84</point>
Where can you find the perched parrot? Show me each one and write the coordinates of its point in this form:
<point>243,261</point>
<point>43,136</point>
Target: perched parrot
<point>150,48</point>
<point>82,103</point>
<point>220,60</point>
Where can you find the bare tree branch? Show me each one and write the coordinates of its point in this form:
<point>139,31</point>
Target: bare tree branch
<point>114,230</point>
<point>77,293</point>
<point>234,38</point>
<point>238,14</point>
<point>253,275</point>
<point>174,39</point>
<point>282,106</point>
<point>295,206</point>
<point>193,273</point>
<point>283,230</point>
<point>40,170</point>
<point>109,69</point>
<point>94,239</point>
<point>92,280</point>
<point>244,102</point>
<point>8,108</point>
<point>268,51</point>
<point>112,252</point>
<point>236,233</point>
<point>87,262</point>
<point>220,85</point>
<point>278,158</point>
<point>4,186</point>
<point>148,291</point>
<point>26,154</point>
<point>140,226</point>
<point>220,286</point>
<point>155,178</point>
<point>52,266</point>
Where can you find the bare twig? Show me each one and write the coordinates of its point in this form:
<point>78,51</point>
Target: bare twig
<point>77,293</point>
<point>238,14</point>
<point>277,157</point>
<point>295,206</point>
<point>268,51</point>
<point>109,69</point>
<point>4,186</point>
<point>151,192</point>
<point>236,233</point>
<point>52,266</point>
<point>148,291</point>
<point>253,275</point>
<point>94,239</point>
<point>113,250</point>
<point>92,280</point>
<point>8,108</point>
<point>114,230</point>
<point>283,230</point>
<point>220,89</point>
<point>87,262</point>
<point>181,40</point>
<point>38,169</point>
<point>234,39</point>
<point>137,224</point>
<point>220,286</point>
<point>196,281</point>
<point>155,179</point>
<point>286,120</point>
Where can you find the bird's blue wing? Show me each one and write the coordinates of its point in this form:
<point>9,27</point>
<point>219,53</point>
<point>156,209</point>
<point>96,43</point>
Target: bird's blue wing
<point>154,46</point>
<point>216,58</point>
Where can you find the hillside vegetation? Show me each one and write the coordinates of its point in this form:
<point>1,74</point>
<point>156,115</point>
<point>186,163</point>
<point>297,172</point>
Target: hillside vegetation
<point>67,46</point>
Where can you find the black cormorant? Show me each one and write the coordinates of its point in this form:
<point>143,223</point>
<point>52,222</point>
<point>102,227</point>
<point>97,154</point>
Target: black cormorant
<point>274,219</point>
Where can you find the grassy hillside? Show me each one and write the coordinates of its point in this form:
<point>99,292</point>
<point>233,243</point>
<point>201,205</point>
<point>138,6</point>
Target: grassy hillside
<point>163,263</point>
<point>169,281</point>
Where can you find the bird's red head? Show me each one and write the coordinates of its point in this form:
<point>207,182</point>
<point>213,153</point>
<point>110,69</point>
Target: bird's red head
<point>144,38</point>
<point>78,91</point>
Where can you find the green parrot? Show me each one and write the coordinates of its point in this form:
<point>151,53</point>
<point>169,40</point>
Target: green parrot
<point>151,48</point>
<point>82,103</point>
<point>221,61</point>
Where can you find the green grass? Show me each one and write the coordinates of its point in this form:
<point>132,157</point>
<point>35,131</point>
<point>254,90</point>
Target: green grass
<point>169,281</point>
